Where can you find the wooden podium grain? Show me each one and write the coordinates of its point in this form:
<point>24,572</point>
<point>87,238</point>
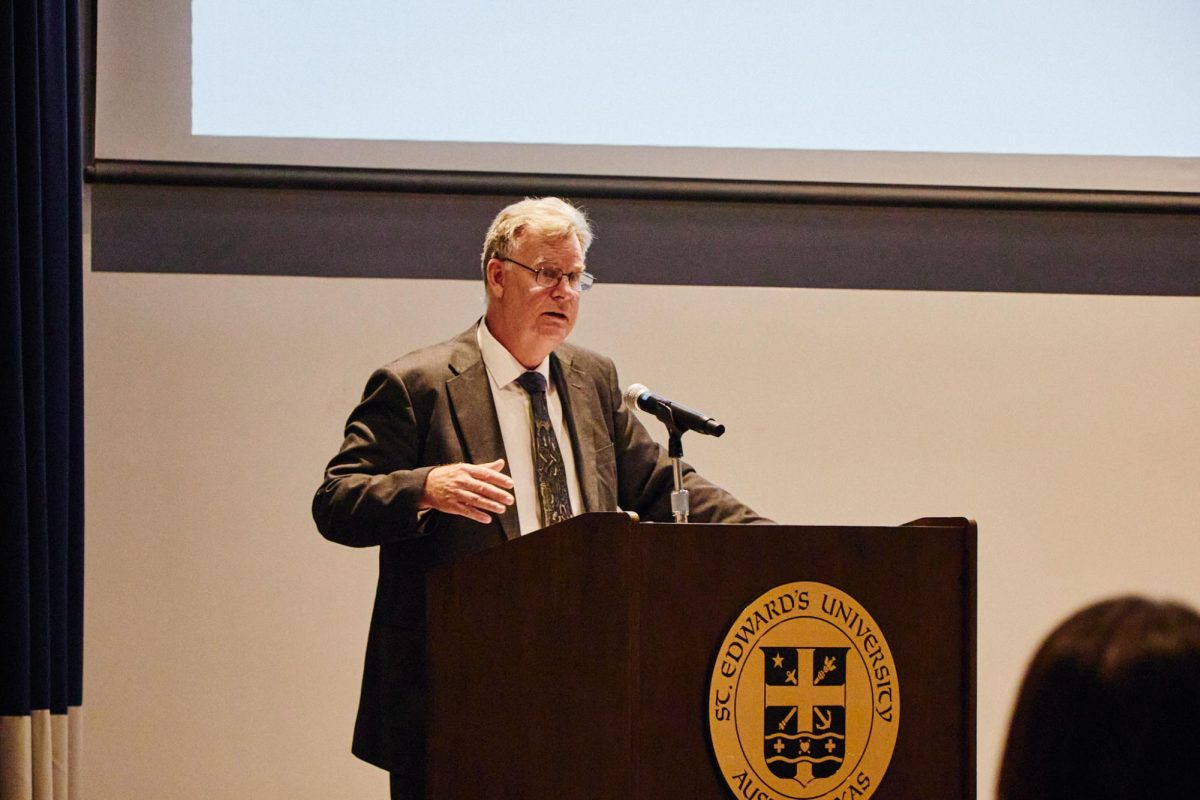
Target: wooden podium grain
<point>574,662</point>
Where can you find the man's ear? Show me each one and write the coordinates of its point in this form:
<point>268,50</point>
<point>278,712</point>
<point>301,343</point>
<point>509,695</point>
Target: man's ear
<point>495,277</point>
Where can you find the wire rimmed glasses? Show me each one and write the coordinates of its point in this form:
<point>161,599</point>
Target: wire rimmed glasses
<point>550,274</point>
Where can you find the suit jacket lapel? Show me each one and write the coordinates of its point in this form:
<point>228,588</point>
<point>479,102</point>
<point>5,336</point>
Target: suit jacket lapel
<point>470,396</point>
<point>581,410</point>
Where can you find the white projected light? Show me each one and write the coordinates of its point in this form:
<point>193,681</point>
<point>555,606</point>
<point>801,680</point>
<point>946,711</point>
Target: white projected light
<point>1067,95</point>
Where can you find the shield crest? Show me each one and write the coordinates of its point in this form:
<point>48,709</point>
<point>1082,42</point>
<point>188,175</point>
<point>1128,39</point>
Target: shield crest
<point>804,711</point>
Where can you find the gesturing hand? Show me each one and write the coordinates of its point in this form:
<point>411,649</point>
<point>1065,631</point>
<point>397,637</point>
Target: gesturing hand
<point>469,490</point>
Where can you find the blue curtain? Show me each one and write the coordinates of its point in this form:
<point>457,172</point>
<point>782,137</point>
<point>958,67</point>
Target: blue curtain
<point>41,397</point>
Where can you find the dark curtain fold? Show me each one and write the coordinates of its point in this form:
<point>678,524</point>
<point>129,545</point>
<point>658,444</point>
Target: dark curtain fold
<point>41,377</point>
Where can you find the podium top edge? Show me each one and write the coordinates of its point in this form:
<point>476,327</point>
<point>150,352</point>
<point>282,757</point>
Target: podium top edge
<point>922,522</point>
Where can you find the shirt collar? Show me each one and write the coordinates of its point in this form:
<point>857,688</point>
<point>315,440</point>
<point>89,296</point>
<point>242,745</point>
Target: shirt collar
<point>501,365</point>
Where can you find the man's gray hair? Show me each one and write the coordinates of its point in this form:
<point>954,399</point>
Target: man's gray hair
<point>549,217</point>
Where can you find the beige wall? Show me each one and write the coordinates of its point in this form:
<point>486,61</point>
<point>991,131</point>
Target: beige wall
<point>224,637</point>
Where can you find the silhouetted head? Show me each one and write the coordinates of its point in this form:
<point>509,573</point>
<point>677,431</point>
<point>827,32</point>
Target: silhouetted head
<point>1109,708</point>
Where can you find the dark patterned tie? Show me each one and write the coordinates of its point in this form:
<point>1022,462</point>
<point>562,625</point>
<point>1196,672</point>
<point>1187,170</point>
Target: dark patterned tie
<point>548,467</point>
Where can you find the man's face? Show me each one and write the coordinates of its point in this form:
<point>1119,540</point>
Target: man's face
<point>526,317</point>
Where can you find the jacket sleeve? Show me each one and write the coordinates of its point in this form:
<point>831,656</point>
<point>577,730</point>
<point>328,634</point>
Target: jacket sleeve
<point>374,483</point>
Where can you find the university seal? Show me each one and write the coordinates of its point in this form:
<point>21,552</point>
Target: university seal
<point>804,699</point>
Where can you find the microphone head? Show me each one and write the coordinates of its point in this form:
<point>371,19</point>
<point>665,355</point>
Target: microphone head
<point>632,394</point>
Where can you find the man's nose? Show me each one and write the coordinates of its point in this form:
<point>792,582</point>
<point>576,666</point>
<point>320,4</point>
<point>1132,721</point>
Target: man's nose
<point>563,287</point>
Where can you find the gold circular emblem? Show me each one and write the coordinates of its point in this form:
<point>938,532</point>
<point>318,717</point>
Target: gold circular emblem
<point>804,700</point>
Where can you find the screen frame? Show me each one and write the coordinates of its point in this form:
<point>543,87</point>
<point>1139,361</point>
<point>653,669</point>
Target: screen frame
<point>473,182</point>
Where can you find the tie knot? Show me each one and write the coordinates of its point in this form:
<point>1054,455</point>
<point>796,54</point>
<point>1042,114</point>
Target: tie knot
<point>533,382</point>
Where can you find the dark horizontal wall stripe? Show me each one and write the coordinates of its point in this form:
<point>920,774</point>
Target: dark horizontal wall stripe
<point>263,176</point>
<point>287,232</point>
<point>280,231</point>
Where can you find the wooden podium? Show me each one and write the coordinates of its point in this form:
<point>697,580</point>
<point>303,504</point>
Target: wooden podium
<point>574,662</point>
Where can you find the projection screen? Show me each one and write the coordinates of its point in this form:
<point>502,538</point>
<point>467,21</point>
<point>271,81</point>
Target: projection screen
<point>1068,95</point>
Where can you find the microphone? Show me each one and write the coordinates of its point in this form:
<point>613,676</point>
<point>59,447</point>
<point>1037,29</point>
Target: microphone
<point>672,413</point>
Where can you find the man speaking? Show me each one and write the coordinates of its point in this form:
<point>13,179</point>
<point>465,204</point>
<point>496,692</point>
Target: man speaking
<point>497,432</point>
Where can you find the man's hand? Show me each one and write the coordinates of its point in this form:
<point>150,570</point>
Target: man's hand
<point>469,490</point>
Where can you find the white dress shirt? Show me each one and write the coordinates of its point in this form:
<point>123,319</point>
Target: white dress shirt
<point>516,428</point>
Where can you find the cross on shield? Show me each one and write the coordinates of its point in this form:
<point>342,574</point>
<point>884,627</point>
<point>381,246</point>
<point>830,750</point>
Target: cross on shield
<point>804,711</point>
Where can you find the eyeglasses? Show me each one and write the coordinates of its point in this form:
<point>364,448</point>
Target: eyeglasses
<point>550,275</point>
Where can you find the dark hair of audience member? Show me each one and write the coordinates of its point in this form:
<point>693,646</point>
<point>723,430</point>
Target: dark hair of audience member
<point>1109,708</point>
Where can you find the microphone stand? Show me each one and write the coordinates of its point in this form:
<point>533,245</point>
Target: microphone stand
<point>679,498</point>
<point>680,506</point>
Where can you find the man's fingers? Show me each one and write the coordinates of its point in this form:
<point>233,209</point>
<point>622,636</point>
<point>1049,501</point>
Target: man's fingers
<point>477,499</point>
<point>463,508</point>
<point>472,513</point>
<point>486,490</point>
<point>490,473</point>
<point>474,491</point>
